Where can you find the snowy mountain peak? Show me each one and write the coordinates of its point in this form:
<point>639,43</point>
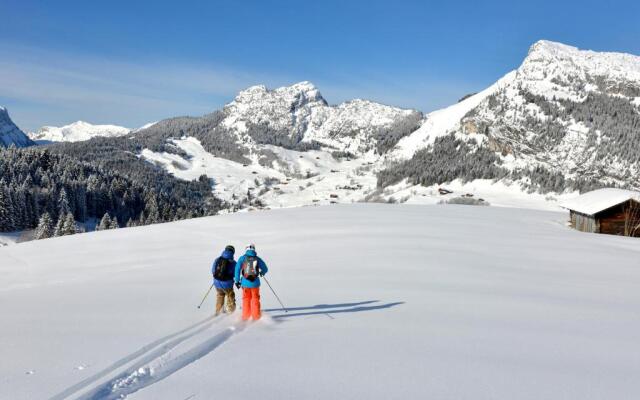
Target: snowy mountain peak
<point>561,65</point>
<point>549,48</point>
<point>298,113</point>
<point>294,96</point>
<point>571,113</point>
<point>80,124</point>
<point>304,89</point>
<point>10,134</point>
<point>77,131</point>
<point>559,51</point>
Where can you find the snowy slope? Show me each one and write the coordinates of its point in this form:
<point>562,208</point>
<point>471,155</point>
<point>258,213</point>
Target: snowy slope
<point>441,122</point>
<point>316,178</point>
<point>10,134</point>
<point>294,179</point>
<point>386,301</point>
<point>76,132</point>
<point>145,126</point>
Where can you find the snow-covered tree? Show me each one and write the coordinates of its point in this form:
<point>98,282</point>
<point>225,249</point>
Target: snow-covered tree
<point>7,222</point>
<point>114,223</point>
<point>151,210</point>
<point>59,229</point>
<point>105,223</point>
<point>69,226</point>
<point>45,227</point>
<point>63,203</point>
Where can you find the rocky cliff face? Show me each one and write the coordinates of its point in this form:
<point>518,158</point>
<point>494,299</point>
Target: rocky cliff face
<point>10,134</point>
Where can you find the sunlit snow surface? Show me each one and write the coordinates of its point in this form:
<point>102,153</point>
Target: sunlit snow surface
<point>298,178</point>
<point>386,301</point>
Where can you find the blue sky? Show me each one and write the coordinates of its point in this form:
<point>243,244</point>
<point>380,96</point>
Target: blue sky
<point>129,63</point>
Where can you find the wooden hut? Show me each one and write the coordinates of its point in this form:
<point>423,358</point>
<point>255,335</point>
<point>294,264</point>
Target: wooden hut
<point>610,211</point>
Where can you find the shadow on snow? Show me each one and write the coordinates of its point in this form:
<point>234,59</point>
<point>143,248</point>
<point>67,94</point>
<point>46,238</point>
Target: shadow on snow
<point>328,309</point>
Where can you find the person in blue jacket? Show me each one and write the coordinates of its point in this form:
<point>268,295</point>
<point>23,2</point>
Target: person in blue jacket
<point>223,271</point>
<point>249,269</point>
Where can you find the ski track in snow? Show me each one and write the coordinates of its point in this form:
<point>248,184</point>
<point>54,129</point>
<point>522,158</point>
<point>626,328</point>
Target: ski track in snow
<point>150,364</point>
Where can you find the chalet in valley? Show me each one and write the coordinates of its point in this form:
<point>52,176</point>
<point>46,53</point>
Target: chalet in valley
<point>610,211</point>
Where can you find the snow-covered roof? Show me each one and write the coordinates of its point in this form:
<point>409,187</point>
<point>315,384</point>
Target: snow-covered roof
<point>593,202</point>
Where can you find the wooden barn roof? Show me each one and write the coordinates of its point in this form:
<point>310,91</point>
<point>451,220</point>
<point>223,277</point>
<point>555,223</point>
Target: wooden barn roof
<point>593,202</point>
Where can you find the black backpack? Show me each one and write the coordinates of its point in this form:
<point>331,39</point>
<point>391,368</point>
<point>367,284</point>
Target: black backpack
<point>250,268</point>
<point>221,271</point>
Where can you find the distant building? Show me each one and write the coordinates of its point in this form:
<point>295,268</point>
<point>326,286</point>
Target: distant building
<point>610,211</point>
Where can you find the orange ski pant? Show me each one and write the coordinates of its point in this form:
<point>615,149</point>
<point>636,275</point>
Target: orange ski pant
<point>251,303</point>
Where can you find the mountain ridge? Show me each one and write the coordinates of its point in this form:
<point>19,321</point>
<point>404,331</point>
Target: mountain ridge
<point>76,131</point>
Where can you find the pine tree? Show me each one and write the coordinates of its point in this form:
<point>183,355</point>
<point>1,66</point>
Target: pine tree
<point>114,223</point>
<point>105,223</point>
<point>69,226</point>
<point>19,201</point>
<point>45,227</point>
<point>6,218</point>
<point>31,212</point>
<point>151,210</point>
<point>59,229</point>
<point>81,202</point>
<point>63,203</point>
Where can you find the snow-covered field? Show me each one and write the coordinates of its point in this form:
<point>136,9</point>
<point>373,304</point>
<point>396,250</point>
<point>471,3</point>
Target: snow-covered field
<point>316,178</point>
<point>298,178</point>
<point>386,301</point>
<point>499,194</point>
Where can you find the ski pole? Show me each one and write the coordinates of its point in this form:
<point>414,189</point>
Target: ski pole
<point>274,293</point>
<point>205,296</point>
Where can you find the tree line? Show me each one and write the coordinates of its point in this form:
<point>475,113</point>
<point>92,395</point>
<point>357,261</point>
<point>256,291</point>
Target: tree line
<point>51,192</point>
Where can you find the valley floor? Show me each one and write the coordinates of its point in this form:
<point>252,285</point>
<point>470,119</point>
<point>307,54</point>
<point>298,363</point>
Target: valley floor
<point>386,301</point>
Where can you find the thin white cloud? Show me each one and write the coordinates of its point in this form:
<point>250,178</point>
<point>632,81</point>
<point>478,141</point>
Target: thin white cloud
<point>81,87</point>
<point>55,88</point>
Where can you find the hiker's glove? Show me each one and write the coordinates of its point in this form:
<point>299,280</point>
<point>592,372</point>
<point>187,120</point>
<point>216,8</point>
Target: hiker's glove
<point>238,285</point>
<point>261,273</point>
